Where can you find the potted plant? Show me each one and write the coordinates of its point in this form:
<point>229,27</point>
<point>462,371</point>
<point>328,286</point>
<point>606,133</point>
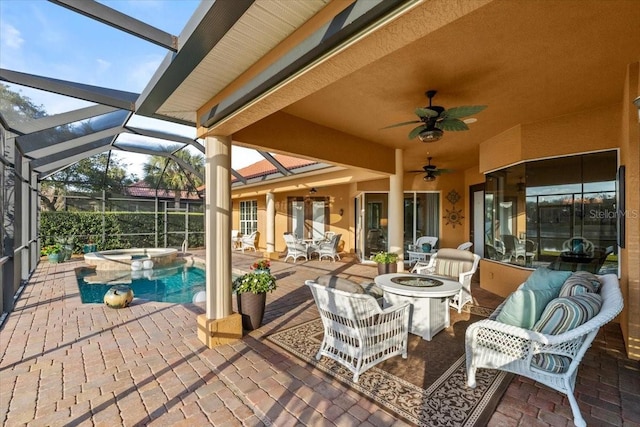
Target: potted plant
<point>251,293</point>
<point>52,252</point>
<point>386,262</point>
<point>262,266</point>
<point>67,244</point>
<point>90,246</point>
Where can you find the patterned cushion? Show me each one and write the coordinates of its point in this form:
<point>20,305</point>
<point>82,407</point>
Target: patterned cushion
<point>523,307</point>
<point>580,282</point>
<point>566,313</point>
<point>543,278</point>
<point>452,262</point>
<point>340,284</point>
<point>372,289</point>
<point>551,362</point>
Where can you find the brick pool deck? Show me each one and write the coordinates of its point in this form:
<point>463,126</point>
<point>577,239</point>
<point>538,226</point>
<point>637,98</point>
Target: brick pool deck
<point>64,363</point>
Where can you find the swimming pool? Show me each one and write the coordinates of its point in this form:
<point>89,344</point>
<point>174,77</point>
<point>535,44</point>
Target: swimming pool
<point>176,283</point>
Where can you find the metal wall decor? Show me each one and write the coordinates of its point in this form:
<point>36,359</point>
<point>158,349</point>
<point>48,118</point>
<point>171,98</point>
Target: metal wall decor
<point>453,216</point>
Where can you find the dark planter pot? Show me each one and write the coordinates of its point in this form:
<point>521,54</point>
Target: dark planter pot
<point>387,268</point>
<point>251,307</point>
<point>89,247</point>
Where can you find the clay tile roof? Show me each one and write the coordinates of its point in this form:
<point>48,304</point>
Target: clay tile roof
<point>141,189</point>
<point>264,167</point>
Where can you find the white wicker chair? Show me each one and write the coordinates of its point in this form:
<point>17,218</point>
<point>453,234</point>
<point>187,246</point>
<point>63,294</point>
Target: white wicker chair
<point>248,241</point>
<point>295,248</point>
<point>466,246</point>
<point>357,332</point>
<point>495,345</point>
<point>327,249</point>
<point>455,263</point>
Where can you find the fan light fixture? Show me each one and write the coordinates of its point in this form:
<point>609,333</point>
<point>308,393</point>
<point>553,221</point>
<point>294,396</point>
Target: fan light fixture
<point>434,120</point>
<point>431,135</point>
<point>313,190</point>
<point>429,177</point>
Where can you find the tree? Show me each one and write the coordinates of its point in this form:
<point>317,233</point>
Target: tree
<point>163,172</point>
<point>18,108</point>
<point>90,175</point>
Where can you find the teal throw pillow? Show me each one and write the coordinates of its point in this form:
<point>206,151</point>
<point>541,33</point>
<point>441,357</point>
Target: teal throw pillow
<point>545,279</point>
<point>524,307</point>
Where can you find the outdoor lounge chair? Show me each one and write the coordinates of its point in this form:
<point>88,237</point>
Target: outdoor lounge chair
<point>357,332</point>
<point>455,263</point>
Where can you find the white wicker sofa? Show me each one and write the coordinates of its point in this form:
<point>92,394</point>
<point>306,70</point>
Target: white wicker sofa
<point>357,332</point>
<point>551,359</point>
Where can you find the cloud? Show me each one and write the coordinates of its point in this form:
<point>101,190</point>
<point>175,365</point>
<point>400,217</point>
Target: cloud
<point>103,65</point>
<point>11,37</point>
<point>141,72</point>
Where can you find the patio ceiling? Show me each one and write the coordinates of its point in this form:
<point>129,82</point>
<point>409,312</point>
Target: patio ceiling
<point>349,72</point>
<point>309,78</point>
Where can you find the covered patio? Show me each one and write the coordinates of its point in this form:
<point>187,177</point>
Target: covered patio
<point>320,80</point>
<point>65,363</point>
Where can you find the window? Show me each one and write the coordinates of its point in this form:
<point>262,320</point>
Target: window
<point>248,216</point>
<point>421,216</point>
<point>534,210</point>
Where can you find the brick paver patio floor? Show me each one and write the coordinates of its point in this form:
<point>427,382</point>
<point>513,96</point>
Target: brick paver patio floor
<point>67,363</point>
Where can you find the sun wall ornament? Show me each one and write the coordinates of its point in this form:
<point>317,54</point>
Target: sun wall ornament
<point>453,216</point>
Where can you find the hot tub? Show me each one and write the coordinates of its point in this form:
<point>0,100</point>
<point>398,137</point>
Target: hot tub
<point>121,259</point>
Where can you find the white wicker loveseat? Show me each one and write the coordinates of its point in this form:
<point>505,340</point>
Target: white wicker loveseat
<point>357,332</point>
<point>551,359</point>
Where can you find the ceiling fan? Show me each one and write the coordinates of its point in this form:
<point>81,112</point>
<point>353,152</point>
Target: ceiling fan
<point>432,171</point>
<point>434,119</point>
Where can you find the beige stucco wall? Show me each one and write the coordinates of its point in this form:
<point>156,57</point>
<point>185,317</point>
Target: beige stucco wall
<point>337,196</point>
<point>630,254</point>
<point>608,127</point>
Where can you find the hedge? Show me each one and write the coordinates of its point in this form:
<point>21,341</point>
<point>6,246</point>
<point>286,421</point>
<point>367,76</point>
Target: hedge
<point>79,228</point>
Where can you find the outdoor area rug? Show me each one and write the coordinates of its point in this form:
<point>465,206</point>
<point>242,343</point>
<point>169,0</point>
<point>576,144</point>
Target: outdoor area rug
<point>426,389</point>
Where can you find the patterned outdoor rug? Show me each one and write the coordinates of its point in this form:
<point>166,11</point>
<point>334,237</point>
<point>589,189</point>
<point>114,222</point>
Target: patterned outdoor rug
<point>427,389</point>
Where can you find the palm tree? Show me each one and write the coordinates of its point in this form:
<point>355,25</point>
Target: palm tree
<point>166,170</point>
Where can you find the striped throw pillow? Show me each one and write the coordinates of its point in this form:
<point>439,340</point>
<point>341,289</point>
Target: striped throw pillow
<point>551,362</point>
<point>580,282</point>
<point>565,313</point>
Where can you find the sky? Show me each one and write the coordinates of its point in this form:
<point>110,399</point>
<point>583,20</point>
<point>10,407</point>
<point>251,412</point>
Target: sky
<point>41,38</point>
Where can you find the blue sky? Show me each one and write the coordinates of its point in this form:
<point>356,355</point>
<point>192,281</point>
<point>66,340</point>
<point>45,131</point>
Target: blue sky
<point>41,38</point>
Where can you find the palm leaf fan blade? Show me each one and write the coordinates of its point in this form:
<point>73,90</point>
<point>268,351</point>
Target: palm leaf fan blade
<point>415,132</point>
<point>402,124</point>
<point>464,111</point>
<point>450,124</point>
<point>426,112</point>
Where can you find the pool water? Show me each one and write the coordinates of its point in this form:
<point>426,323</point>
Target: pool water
<point>175,284</point>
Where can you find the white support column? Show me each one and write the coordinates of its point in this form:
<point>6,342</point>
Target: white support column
<point>219,325</point>
<point>396,211</point>
<point>271,226</point>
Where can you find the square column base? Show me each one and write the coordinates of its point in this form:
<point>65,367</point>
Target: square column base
<point>215,332</point>
<point>271,255</point>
